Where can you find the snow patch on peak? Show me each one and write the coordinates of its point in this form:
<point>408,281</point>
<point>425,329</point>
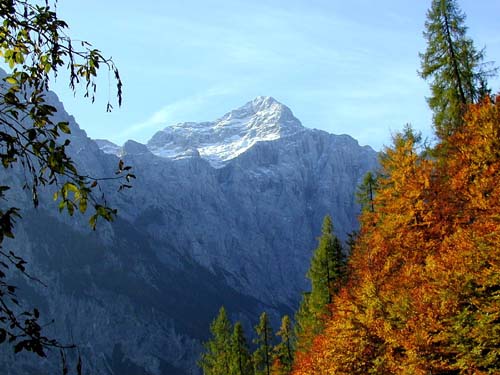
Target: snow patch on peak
<point>260,120</point>
<point>109,147</point>
<point>259,104</point>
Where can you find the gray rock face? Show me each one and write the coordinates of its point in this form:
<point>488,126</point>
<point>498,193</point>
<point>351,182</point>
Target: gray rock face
<point>108,147</point>
<point>221,213</point>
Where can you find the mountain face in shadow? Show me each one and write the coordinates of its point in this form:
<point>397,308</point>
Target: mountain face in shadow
<point>222,213</point>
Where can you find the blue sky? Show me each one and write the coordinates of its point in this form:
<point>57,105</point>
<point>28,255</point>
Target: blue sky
<point>348,67</point>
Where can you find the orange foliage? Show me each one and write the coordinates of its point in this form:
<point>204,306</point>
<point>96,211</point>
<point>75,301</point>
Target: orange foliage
<point>424,289</point>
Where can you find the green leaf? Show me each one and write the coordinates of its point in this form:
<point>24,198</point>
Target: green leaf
<point>82,205</point>
<point>11,80</point>
<point>92,221</point>
<point>64,127</point>
<point>71,208</point>
<point>71,187</point>
<point>62,204</point>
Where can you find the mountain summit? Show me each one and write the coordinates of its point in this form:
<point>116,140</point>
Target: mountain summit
<point>139,294</point>
<point>262,119</point>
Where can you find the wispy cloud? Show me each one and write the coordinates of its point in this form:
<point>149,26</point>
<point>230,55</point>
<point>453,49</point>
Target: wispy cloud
<point>177,111</point>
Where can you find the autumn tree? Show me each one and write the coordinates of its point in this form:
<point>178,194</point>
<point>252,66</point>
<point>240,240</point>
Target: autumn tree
<point>35,47</point>
<point>262,356</point>
<point>422,296</point>
<point>354,337</point>
<point>241,360</point>
<point>468,264</point>
<point>424,271</point>
<point>452,63</point>
<point>217,357</point>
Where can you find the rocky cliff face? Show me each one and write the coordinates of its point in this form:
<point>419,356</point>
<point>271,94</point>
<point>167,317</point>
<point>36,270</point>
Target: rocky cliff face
<point>222,213</point>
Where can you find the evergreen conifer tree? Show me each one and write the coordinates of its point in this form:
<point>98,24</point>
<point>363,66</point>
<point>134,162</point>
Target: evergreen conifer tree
<point>216,359</point>
<point>366,192</point>
<point>283,352</point>
<point>263,354</point>
<point>327,272</point>
<point>303,323</point>
<point>241,361</point>
<point>453,64</point>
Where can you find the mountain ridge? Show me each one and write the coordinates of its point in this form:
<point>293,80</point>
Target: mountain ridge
<point>189,238</point>
<point>262,119</point>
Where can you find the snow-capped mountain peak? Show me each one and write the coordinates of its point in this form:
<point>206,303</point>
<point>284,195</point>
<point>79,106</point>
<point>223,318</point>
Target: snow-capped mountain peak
<point>262,119</point>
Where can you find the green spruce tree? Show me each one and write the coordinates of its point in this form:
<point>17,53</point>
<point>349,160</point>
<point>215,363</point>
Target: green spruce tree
<point>283,352</point>
<point>241,360</point>
<point>365,194</point>
<point>453,65</point>
<point>216,359</point>
<point>303,323</point>
<point>263,354</point>
<point>327,273</point>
